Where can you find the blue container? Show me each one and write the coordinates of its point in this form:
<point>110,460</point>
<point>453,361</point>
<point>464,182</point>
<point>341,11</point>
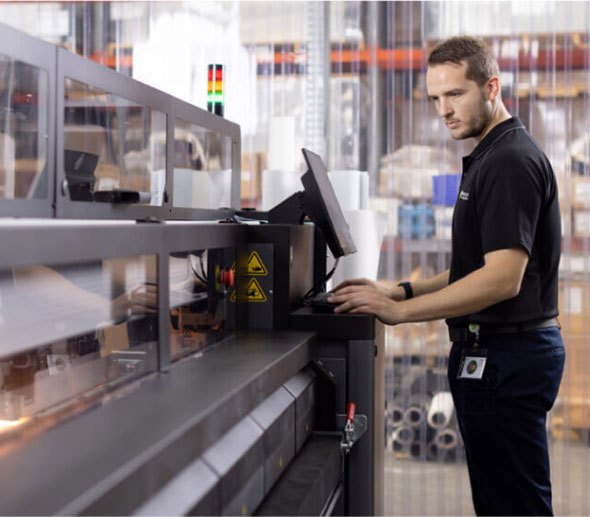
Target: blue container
<point>415,221</point>
<point>445,188</point>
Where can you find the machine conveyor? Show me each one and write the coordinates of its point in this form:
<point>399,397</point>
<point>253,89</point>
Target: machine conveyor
<point>113,459</point>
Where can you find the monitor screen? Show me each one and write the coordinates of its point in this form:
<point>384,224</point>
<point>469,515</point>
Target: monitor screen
<point>79,168</point>
<point>321,201</point>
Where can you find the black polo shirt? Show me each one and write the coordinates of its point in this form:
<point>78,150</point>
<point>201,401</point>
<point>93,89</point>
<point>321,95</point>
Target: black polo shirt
<point>508,197</point>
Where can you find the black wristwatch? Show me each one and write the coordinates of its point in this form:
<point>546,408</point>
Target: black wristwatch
<point>408,289</point>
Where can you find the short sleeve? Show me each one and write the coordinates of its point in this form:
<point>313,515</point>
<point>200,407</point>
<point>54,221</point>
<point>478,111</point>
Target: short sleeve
<point>509,201</point>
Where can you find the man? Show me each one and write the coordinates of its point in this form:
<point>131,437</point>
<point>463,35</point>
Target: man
<point>500,295</point>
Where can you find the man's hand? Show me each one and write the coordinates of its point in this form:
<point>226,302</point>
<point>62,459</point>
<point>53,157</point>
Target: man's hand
<point>365,298</point>
<point>386,288</point>
<point>142,299</point>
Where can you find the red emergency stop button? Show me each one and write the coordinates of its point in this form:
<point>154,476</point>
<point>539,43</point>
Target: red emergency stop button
<point>227,277</point>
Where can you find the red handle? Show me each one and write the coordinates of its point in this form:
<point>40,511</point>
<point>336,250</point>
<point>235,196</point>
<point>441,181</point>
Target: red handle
<point>351,408</point>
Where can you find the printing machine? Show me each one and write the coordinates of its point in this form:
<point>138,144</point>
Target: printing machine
<point>146,366</point>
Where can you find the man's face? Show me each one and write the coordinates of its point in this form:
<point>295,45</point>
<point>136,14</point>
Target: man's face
<point>462,104</point>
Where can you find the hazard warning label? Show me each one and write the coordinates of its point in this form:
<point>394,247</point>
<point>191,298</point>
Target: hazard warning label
<point>255,292</point>
<point>256,266</point>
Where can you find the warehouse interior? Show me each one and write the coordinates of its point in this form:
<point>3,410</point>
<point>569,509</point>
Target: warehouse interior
<point>345,79</point>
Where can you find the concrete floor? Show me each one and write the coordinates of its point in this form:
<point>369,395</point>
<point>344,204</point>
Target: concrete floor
<point>430,488</point>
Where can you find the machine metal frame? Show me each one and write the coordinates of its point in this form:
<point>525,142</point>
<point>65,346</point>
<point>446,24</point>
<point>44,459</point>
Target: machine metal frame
<point>83,70</point>
<point>110,460</point>
<point>22,47</point>
<point>61,64</point>
<point>60,242</point>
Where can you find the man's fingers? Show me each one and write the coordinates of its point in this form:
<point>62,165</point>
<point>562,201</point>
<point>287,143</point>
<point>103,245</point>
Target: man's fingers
<point>137,308</point>
<point>144,298</point>
<point>352,281</point>
<point>362,309</point>
<point>347,292</point>
<point>351,303</point>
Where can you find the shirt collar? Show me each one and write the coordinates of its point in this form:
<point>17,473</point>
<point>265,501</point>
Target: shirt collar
<point>494,135</point>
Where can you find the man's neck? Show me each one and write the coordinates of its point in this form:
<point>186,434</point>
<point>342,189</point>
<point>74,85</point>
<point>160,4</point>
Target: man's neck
<point>499,115</point>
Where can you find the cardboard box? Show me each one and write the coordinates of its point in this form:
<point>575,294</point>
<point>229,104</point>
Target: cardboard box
<point>581,223</point>
<point>443,217</point>
<point>406,183</point>
<point>408,171</point>
<point>89,138</point>
<point>574,308</point>
<point>250,182</point>
<point>573,405</point>
<point>576,375</point>
<point>580,192</point>
<point>388,207</point>
<point>573,263</point>
<point>112,337</point>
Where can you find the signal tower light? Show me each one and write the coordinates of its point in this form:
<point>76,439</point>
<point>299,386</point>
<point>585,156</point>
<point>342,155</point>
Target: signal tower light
<point>215,95</point>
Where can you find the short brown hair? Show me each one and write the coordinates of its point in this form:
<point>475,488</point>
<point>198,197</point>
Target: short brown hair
<point>481,64</point>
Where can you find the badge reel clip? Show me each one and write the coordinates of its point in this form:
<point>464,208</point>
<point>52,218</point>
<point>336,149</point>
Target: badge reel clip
<point>473,360</point>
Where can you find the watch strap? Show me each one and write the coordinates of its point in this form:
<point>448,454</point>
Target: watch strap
<point>408,289</point>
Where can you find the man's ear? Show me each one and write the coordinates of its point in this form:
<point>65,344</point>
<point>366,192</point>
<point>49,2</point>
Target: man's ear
<point>493,88</point>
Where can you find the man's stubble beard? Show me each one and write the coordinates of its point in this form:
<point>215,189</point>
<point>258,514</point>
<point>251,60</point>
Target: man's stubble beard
<point>478,123</point>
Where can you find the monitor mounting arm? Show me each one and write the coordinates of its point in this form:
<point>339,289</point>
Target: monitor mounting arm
<point>291,210</point>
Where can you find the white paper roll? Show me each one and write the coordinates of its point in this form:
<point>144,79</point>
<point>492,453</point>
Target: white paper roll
<point>7,166</point>
<point>281,144</point>
<point>364,202</point>
<point>195,189</point>
<point>389,208</point>
<point>347,187</point>
<point>220,188</point>
<point>183,188</point>
<point>367,229</point>
<point>278,185</point>
<point>191,188</point>
<point>157,186</point>
<point>441,410</point>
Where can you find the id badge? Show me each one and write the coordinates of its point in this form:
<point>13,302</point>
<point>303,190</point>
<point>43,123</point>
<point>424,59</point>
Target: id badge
<point>473,363</point>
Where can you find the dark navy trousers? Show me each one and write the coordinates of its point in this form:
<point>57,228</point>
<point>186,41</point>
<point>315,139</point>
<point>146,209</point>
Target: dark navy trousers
<point>502,419</point>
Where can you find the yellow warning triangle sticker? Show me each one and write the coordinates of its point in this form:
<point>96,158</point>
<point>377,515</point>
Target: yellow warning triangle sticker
<point>233,297</point>
<point>255,265</point>
<point>255,292</point>
<point>233,267</point>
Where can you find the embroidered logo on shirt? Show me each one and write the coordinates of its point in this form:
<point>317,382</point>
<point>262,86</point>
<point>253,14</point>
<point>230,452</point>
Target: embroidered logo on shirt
<point>464,195</point>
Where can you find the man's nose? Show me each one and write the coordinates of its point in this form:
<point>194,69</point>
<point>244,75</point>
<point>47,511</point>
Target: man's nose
<point>444,108</point>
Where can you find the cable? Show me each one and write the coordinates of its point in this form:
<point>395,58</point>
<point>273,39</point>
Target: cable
<point>312,291</point>
<point>202,279</point>
<point>202,268</point>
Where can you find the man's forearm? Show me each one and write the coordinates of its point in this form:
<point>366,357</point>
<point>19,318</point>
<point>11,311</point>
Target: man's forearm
<point>431,285</point>
<point>419,287</point>
<point>475,292</point>
<point>499,279</point>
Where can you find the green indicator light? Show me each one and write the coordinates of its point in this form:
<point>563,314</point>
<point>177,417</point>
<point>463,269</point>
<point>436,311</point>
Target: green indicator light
<point>215,97</point>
